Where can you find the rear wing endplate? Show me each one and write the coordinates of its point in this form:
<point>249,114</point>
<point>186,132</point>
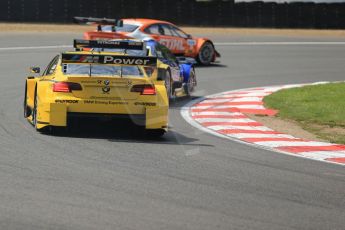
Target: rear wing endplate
<point>107,59</point>
<point>108,44</point>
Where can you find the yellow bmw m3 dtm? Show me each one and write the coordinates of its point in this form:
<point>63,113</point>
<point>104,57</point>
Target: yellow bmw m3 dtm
<point>89,83</point>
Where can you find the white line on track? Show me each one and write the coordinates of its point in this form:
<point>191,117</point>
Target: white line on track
<point>275,43</point>
<point>34,47</point>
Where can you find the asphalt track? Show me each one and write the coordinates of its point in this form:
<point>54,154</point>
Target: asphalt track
<point>109,178</point>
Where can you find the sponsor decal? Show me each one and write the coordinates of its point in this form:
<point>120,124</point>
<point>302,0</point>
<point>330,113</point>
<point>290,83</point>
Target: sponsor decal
<point>96,102</point>
<point>86,59</point>
<point>172,44</point>
<point>78,43</point>
<point>191,42</point>
<point>125,61</point>
<point>108,59</point>
<point>66,101</point>
<point>118,103</point>
<point>106,98</point>
<point>145,103</point>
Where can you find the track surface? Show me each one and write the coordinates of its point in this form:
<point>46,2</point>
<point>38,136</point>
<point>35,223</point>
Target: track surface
<point>103,179</point>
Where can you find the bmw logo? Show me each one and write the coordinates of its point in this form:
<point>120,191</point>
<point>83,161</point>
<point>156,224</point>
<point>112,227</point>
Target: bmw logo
<point>106,89</point>
<point>106,82</point>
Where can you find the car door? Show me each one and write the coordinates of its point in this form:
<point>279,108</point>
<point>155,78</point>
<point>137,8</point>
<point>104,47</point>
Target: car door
<point>163,34</point>
<point>189,43</point>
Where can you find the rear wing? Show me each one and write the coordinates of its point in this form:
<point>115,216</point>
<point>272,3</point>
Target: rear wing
<point>108,44</point>
<point>98,21</point>
<point>101,59</point>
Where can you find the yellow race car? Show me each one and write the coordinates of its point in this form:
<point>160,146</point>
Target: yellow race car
<point>97,84</point>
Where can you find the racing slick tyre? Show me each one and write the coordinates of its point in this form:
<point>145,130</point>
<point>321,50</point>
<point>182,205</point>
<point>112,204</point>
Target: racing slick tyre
<point>168,84</point>
<point>27,109</point>
<point>154,133</point>
<point>191,83</point>
<point>34,117</point>
<point>206,53</point>
<point>50,130</point>
<point>34,111</point>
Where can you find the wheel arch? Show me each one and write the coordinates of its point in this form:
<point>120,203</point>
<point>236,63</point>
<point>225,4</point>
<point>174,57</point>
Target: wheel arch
<point>200,43</point>
<point>185,71</point>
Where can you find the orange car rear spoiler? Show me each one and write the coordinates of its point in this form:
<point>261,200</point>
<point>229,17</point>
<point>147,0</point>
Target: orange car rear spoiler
<point>101,35</point>
<point>98,21</point>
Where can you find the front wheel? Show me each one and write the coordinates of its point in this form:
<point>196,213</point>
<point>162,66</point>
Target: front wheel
<point>191,82</point>
<point>206,53</point>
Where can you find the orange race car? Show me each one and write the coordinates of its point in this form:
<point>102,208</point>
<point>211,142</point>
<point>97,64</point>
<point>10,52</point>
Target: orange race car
<point>166,33</point>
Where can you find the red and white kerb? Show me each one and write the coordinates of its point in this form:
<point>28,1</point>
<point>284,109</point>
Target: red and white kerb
<point>224,114</point>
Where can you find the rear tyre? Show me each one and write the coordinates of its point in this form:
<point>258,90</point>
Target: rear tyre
<point>34,112</point>
<point>206,53</point>
<point>168,84</point>
<point>27,109</point>
<point>154,133</point>
<point>53,130</point>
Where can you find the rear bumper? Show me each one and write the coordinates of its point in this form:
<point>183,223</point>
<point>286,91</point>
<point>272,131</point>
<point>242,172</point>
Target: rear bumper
<point>138,119</point>
<point>57,114</point>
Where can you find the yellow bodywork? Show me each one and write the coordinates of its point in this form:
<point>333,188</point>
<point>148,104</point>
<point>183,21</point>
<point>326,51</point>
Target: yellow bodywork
<point>53,108</point>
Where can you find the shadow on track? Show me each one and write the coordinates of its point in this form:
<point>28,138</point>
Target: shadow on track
<point>180,102</point>
<point>122,131</point>
<point>212,65</point>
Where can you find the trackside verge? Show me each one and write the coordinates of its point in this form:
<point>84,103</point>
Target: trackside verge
<point>223,115</point>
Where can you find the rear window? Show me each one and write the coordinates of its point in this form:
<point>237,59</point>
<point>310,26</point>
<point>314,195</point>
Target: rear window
<point>102,70</point>
<point>124,28</point>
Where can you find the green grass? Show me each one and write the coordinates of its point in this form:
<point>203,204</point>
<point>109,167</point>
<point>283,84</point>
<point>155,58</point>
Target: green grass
<point>319,109</point>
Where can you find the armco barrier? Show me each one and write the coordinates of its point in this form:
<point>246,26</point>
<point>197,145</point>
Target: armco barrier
<point>182,12</point>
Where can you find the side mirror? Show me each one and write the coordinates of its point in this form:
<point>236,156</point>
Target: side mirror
<point>119,23</point>
<point>35,69</point>
<point>189,36</point>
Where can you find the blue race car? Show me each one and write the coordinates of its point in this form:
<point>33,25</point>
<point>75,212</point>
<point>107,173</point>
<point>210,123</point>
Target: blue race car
<point>177,72</point>
<point>180,78</point>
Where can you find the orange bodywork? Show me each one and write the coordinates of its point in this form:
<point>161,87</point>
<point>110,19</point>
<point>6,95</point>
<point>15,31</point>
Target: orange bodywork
<point>184,44</point>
